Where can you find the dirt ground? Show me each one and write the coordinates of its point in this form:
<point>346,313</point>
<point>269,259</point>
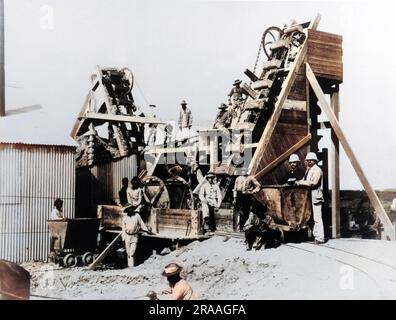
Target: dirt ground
<point>221,268</point>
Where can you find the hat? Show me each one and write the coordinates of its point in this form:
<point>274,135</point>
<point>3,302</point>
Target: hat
<point>294,158</point>
<point>237,82</point>
<point>311,156</point>
<point>223,106</point>
<point>171,269</point>
<point>183,102</point>
<point>210,175</point>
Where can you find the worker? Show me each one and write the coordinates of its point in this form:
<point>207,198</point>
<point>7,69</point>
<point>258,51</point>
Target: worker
<point>135,193</point>
<point>236,93</point>
<point>210,196</point>
<point>262,227</point>
<point>313,178</point>
<point>236,99</point>
<point>132,224</point>
<point>122,194</point>
<point>168,133</point>
<point>185,121</point>
<point>57,210</point>
<point>179,289</point>
<point>152,134</point>
<point>295,172</point>
<point>223,117</point>
<point>241,200</point>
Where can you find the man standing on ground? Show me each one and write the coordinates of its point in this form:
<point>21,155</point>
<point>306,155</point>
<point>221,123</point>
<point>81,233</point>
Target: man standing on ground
<point>241,200</point>
<point>132,224</point>
<point>211,198</point>
<point>313,179</point>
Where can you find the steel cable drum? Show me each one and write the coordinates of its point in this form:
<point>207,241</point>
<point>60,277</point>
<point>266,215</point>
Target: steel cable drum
<point>270,35</point>
<point>155,192</point>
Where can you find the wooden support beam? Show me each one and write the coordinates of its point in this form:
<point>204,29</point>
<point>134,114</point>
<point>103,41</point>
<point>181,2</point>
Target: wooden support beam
<point>78,123</point>
<point>120,118</point>
<point>389,230</point>
<point>335,166</point>
<point>105,252</point>
<point>315,23</point>
<point>270,126</point>
<point>282,157</point>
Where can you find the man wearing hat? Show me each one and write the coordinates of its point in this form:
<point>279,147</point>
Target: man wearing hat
<point>210,196</point>
<point>132,224</point>
<point>236,99</point>
<point>179,289</point>
<point>295,173</point>
<point>313,178</point>
<point>223,117</point>
<point>185,120</point>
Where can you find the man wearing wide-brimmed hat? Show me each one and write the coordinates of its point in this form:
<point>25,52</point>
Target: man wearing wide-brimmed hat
<point>179,289</point>
<point>132,224</point>
<point>223,117</point>
<point>210,196</point>
<point>185,121</point>
<point>236,93</point>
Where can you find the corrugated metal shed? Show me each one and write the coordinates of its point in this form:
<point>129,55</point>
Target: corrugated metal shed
<point>31,178</point>
<point>100,184</point>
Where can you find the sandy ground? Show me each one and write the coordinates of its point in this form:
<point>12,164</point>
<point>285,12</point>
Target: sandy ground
<point>221,268</point>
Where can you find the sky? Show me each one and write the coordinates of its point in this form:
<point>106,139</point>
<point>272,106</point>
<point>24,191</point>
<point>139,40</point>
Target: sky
<point>194,50</point>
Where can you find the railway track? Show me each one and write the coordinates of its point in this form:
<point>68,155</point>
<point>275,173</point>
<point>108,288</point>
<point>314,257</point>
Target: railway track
<point>382,274</point>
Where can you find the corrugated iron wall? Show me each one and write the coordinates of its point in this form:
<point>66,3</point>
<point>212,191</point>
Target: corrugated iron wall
<point>100,184</point>
<point>31,178</point>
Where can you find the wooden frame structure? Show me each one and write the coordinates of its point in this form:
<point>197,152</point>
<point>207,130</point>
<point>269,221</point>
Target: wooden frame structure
<point>332,70</point>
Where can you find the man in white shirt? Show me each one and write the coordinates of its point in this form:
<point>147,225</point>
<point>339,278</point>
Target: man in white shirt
<point>313,178</point>
<point>135,194</point>
<point>132,224</point>
<point>211,198</point>
<point>185,121</point>
<point>57,210</point>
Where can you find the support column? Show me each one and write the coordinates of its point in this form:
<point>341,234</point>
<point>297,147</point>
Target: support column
<point>335,168</point>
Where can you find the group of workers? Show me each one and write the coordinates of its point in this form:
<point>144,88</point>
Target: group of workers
<point>258,225</point>
<point>229,114</point>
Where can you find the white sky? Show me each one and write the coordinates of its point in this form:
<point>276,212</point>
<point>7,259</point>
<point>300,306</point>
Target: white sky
<point>194,50</point>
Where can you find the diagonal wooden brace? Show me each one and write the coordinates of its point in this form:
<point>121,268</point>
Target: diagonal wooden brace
<point>389,230</point>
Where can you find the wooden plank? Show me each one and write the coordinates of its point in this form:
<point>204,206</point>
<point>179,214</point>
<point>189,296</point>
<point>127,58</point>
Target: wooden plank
<point>325,36</point>
<point>379,209</point>
<point>254,104</point>
<point>249,91</point>
<point>261,84</point>
<point>283,157</point>
<point>335,163</point>
<point>269,128</point>
<point>78,123</point>
<point>314,23</point>
<point>105,252</point>
<point>120,118</point>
